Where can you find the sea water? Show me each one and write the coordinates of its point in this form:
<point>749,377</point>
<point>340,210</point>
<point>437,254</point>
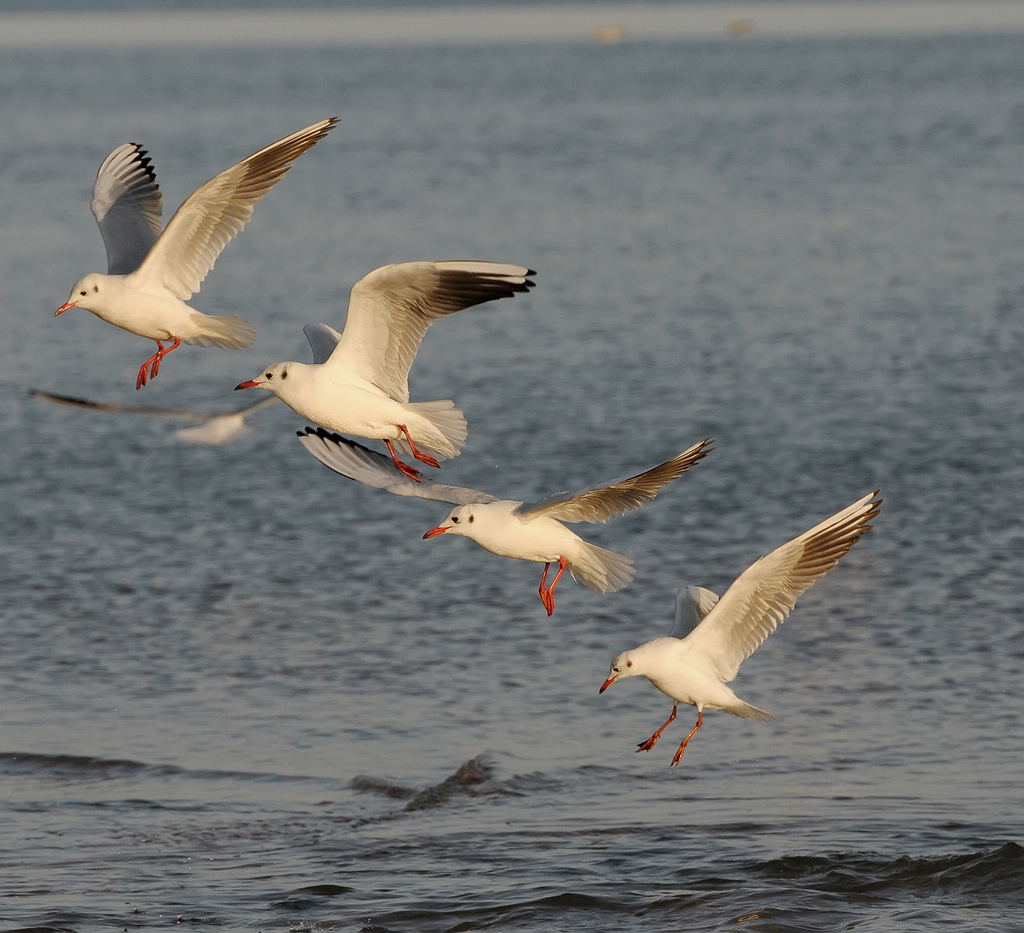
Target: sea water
<point>237,690</point>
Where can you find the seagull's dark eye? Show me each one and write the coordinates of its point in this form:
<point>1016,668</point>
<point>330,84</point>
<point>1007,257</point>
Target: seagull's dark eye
<point>270,375</point>
<point>83,294</point>
<point>455,519</point>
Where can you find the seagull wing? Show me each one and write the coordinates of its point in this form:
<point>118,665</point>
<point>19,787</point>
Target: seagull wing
<point>89,405</point>
<point>390,310</point>
<point>322,340</point>
<point>218,211</point>
<point>763,595</point>
<point>693,603</point>
<point>127,205</point>
<point>601,503</point>
<point>378,471</point>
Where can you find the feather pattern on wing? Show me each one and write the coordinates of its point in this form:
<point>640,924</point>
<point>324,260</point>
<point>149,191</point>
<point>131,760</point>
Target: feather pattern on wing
<point>391,308</point>
<point>128,206</point>
<point>765,593</point>
<point>599,504</point>
<point>218,211</point>
<point>378,471</point>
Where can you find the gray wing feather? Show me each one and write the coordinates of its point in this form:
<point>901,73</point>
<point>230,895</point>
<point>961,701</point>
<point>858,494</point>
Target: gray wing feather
<point>693,603</point>
<point>127,205</point>
<point>322,340</point>
<point>378,471</point>
<point>598,504</point>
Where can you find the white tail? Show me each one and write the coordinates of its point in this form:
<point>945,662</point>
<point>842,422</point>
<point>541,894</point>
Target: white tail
<point>449,424</point>
<point>231,332</point>
<point>601,570</point>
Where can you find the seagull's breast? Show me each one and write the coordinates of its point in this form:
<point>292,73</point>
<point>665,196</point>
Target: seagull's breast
<point>497,528</point>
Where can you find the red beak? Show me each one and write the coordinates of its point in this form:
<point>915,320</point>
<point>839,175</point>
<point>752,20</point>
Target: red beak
<point>64,307</point>
<point>606,684</point>
<point>248,384</point>
<point>434,532</point>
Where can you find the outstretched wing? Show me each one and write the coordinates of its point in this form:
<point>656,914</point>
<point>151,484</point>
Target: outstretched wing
<point>218,211</point>
<point>127,205</point>
<point>377,470</point>
<point>616,498</point>
<point>390,310</point>
<point>763,595</point>
<point>693,603</point>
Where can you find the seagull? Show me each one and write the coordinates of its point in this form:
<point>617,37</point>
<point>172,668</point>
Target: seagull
<point>359,380</point>
<point>510,528</point>
<point>694,668</point>
<point>213,428</point>
<point>151,274</point>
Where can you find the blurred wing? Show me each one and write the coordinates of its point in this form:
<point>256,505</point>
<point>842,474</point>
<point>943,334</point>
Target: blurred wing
<point>378,470</point>
<point>322,339</point>
<point>390,310</point>
<point>218,211</point>
<point>693,603</point>
<point>763,595</point>
<point>127,205</point>
<point>89,405</point>
<point>618,497</point>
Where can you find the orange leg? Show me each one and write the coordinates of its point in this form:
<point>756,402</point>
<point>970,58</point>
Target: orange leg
<point>153,363</point>
<point>653,740</point>
<point>416,452</point>
<point>409,471</point>
<point>682,748</point>
<point>547,596</point>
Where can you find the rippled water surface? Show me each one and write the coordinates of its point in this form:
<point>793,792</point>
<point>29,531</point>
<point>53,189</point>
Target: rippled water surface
<point>237,690</point>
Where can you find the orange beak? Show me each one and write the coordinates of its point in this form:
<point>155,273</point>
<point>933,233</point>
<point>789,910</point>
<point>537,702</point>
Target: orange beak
<point>434,532</point>
<point>64,307</point>
<point>606,684</point>
<point>248,384</point>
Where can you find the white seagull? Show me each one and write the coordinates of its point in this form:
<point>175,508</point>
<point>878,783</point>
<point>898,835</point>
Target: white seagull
<point>694,668</point>
<point>151,274</point>
<point>510,528</point>
<point>213,428</point>
<point>358,382</point>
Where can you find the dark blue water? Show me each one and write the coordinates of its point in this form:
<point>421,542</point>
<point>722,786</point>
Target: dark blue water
<point>238,691</point>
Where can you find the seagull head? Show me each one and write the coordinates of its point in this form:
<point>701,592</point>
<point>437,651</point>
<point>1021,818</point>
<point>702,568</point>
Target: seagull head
<point>458,522</point>
<point>85,294</point>
<point>622,667</point>
<point>273,379</point>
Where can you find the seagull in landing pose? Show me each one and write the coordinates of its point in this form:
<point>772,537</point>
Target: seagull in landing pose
<point>358,382</point>
<point>510,528</point>
<point>151,274</point>
<point>694,668</point>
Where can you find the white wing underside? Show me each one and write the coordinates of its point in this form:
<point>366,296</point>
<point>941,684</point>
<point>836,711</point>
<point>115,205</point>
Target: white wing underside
<point>127,205</point>
<point>217,212</point>
<point>390,310</point>
<point>598,504</point>
<point>765,593</point>
<point>378,471</point>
